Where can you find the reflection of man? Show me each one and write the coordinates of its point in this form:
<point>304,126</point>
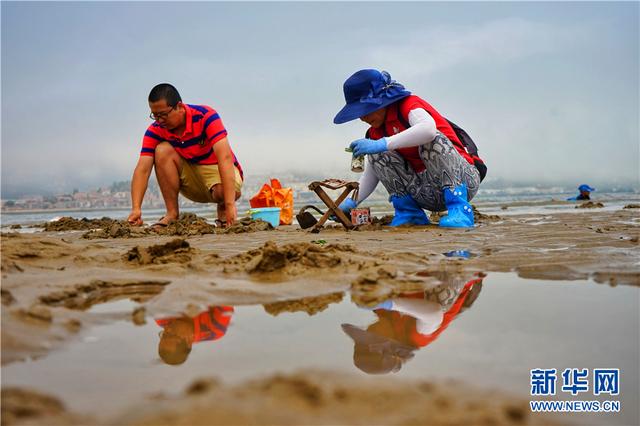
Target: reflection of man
<point>408,323</point>
<point>180,333</point>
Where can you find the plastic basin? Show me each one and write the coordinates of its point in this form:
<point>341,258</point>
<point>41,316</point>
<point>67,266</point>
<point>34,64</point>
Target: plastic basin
<point>268,214</point>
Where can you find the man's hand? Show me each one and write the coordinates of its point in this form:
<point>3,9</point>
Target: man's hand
<point>135,217</point>
<point>138,188</point>
<point>368,146</point>
<point>231,212</point>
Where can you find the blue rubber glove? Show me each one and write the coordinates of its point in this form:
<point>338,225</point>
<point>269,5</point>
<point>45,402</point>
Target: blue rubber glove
<point>368,146</point>
<point>347,205</point>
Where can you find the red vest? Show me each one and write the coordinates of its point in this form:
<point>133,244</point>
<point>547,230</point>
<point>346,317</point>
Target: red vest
<point>397,120</point>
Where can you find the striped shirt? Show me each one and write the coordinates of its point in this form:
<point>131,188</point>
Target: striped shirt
<point>203,129</point>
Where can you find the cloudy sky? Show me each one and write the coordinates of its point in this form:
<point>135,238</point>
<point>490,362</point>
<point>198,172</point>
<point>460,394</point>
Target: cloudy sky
<point>549,91</point>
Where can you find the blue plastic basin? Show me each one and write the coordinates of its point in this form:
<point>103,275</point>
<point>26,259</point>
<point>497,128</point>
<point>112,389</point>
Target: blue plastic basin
<point>268,214</point>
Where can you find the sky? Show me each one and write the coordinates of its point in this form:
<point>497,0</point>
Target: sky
<point>549,91</point>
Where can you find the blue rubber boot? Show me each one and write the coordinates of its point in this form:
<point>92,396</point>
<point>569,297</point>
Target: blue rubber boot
<point>460,212</point>
<point>407,211</point>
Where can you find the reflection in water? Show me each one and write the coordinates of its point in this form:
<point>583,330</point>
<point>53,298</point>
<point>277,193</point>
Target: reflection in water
<point>180,333</point>
<point>407,323</point>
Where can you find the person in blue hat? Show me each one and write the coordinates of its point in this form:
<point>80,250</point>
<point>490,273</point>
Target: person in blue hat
<point>412,149</point>
<point>585,193</point>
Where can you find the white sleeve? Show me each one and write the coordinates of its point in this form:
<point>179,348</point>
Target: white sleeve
<point>428,314</point>
<point>422,130</point>
<point>368,183</point>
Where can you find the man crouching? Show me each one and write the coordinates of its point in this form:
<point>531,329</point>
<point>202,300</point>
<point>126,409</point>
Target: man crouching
<point>188,146</point>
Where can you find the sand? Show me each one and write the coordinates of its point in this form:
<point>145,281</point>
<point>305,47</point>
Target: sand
<point>51,278</point>
<point>311,397</point>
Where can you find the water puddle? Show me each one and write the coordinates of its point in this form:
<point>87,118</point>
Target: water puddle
<point>114,307</point>
<point>489,332</point>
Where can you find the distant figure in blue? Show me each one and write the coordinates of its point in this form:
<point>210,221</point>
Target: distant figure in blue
<point>585,191</point>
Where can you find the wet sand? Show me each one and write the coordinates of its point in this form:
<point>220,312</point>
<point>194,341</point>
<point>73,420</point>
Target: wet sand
<point>51,279</point>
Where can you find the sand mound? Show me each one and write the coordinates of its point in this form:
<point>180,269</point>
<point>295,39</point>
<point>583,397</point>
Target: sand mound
<point>191,224</point>
<point>310,305</point>
<point>590,205</point>
<point>70,224</point>
<point>175,251</point>
<point>117,229</point>
<point>377,223</point>
<point>246,225</point>
<point>188,224</point>
<point>293,259</point>
<point>481,217</point>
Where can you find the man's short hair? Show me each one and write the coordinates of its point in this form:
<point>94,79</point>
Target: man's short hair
<point>167,92</point>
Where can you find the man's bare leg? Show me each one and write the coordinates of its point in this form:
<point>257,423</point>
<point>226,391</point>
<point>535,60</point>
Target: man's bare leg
<point>167,165</point>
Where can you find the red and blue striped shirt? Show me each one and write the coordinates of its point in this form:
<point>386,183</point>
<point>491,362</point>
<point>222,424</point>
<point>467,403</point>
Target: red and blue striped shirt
<point>203,129</point>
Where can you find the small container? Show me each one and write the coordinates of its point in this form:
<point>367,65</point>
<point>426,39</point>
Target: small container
<point>357,163</point>
<point>360,216</point>
<point>268,214</point>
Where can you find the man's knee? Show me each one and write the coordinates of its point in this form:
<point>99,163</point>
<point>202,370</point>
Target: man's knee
<point>217,193</point>
<point>164,151</point>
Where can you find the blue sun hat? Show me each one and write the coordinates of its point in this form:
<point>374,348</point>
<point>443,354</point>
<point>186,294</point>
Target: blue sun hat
<point>367,91</point>
<point>585,187</point>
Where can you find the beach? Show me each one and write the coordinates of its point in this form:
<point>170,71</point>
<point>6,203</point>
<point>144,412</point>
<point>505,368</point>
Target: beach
<point>54,283</point>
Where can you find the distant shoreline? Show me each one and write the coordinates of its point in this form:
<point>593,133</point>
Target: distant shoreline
<point>90,209</point>
<point>32,211</point>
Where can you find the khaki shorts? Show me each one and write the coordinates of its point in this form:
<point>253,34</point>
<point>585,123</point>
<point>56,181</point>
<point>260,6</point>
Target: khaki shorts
<point>196,180</point>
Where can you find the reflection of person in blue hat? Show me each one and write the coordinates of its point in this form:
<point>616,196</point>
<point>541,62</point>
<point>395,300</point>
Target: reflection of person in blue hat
<point>412,150</point>
<point>180,333</point>
<point>585,192</point>
<point>408,323</point>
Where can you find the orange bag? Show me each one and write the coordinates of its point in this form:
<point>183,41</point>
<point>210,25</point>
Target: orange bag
<point>275,195</point>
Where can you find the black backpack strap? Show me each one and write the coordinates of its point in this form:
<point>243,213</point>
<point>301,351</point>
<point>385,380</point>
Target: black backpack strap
<point>464,138</point>
<point>471,148</point>
<point>401,119</point>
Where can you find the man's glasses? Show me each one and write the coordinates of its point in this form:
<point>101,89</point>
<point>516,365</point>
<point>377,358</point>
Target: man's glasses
<point>161,115</point>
